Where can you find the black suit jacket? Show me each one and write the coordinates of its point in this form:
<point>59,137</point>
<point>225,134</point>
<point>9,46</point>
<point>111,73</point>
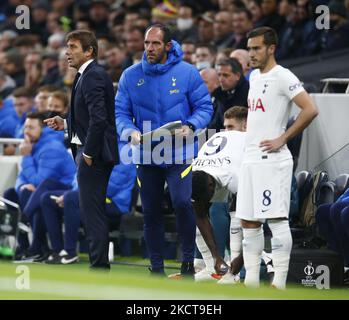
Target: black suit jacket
<point>92,115</point>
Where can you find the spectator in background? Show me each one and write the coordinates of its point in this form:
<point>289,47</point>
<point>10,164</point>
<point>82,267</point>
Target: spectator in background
<point>115,57</point>
<point>186,27</point>
<point>83,24</point>
<point>41,97</point>
<point>205,27</point>
<point>223,30</point>
<point>8,122</point>
<point>98,14</point>
<point>188,49</point>
<point>7,38</point>
<point>205,56</point>
<point>33,70</point>
<point>299,36</point>
<point>103,47</point>
<point>130,19</point>
<point>242,24</point>
<point>243,57</point>
<point>270,17</point>
<point>7,85</point>
<point>39,12</point>
<point>26,43</point>
<point>13,66</point>
<point>46,165</point>
<point>233,89</point>
<point>50,70</point>
<point>57,104</point>
<point>55,42</point>
<point>23,103</point>
<point>210,77</point>
<point>254,6</point>
<point>223,54</point>
<point>337,36</point>
<point>134,43</point>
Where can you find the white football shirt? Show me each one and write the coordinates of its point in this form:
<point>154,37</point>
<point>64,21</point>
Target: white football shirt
<point>269,105</point>
<point>221,157</point>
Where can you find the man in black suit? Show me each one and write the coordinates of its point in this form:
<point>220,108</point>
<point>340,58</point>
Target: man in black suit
<point>92,133</point>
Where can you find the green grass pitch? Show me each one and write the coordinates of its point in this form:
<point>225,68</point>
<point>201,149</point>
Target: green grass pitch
<point>131,282</point>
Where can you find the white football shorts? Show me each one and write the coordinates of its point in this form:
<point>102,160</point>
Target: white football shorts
<point>264,190</point>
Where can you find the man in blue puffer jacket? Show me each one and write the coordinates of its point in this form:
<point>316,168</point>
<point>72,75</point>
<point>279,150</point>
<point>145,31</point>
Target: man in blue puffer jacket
<point>161,89</point>
<point>46,165</point>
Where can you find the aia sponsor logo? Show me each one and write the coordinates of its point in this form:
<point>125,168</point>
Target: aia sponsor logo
<point>255,105</point>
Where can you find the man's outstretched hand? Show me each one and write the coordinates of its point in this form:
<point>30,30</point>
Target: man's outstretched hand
<point>55,123</point>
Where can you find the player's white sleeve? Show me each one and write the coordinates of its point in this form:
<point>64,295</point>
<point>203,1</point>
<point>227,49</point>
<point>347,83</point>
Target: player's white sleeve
<point>289,84</point>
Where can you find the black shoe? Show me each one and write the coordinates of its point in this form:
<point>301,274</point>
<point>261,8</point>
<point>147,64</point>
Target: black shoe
<point>28,258</point>
<point>187,269</point>
<point>187,272</point>
<point>346,278</point>
<point>56,258</point>
<point>70,259</point>
<point>158,272</point>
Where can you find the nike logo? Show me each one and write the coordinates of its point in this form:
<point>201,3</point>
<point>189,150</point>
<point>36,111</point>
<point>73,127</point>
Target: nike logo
<point>68,261</point>
<point>265,210</point>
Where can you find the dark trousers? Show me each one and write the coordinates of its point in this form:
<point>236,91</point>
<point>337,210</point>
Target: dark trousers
<point>53,216</point>
<point>152,180</point>
<point>93,181</point>
<point>333,223</point>
<point>220,220</point>
<point>21,198</point>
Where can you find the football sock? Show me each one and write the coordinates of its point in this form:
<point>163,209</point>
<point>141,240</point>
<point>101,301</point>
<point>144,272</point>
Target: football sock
<point>253,244</point>
<point>205,251</point>
<point>281,250</point>
<point>235,236</point>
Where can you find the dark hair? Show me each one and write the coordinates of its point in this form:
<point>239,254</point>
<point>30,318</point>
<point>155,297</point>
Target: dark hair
<point>87,40</point>
<point>244,10</point>
<point>62,96</point>
<point>167,34</point>
<point>269,35</point>
<point>48,88</point>
<point>40,116</point>
<point>22,92</point>
<point>233,63</point>
<point>236,112</point>
<point>200,183</point>
<point>210,47</point>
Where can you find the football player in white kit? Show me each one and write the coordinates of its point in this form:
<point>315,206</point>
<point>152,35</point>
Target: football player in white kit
<point>266,171</point>
<point>215,175</point>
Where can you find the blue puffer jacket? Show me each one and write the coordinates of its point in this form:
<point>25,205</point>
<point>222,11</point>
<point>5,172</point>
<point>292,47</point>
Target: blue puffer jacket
<point>161,93</point>
<point>121,183</point>
<point>7,108</point>
<point>49,159</point>
<point>344,196</point>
